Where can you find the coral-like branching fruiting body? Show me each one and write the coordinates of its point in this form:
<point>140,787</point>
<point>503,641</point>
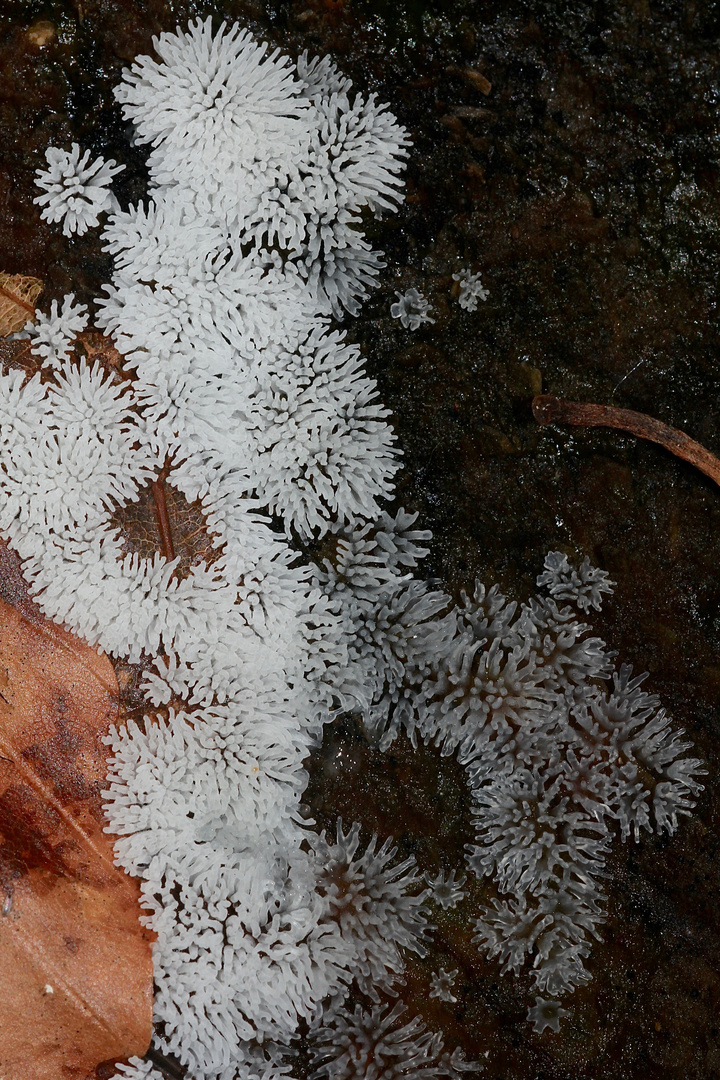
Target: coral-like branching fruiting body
<point>412,309</point>
<point>358,1045</point>
<point>52,336</point>
<point>224,281</point>
<point>75,190</point>
<point>471,290</point>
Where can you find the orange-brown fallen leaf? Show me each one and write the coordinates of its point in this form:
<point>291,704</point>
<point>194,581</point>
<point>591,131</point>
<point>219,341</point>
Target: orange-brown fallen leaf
<point>75,964</point>
<point>17,301</point>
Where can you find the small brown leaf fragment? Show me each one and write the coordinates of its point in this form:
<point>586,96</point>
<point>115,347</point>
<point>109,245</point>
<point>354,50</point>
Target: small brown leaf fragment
<point>141,532</point>
<point>95,346</point>
<point>17,301</point>
<point>75,964</point>
<point>472,77</point>
<point>41,33</point>
<point>478,80</point>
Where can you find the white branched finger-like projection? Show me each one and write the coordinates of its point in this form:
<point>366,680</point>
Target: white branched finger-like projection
<point>76,190</point>
<point>225,280</point>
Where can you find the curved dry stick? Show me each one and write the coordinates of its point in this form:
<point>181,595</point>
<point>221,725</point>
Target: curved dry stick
<point>551,410</point>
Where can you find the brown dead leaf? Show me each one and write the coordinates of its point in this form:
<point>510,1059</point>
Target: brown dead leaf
<point>75,964</point>
<point>17,301</point>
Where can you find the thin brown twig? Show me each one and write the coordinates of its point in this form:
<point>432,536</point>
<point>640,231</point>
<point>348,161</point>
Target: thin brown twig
<point>552,410</point>
<point>163,520</point>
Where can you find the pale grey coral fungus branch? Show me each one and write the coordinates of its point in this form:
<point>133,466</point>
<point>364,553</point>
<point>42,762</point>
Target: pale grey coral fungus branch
<point>558,747</point>
<point>359,1044</point>
<point>447,889</point>
<point>412,309</point>
<point>441,985</point>
<point>471,289</point>
<point>583,587</point>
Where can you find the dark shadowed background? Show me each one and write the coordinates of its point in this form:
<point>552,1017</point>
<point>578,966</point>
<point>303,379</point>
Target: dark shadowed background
<point>569,152</point>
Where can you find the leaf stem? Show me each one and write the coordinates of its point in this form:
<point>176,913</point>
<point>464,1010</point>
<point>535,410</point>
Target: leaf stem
<point>551,410</point>
<point>163,520</point>
<point>17,300</point>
